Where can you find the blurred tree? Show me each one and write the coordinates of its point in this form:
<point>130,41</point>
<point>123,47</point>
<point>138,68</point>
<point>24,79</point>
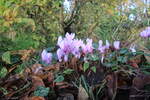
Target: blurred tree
<point>37,23</point>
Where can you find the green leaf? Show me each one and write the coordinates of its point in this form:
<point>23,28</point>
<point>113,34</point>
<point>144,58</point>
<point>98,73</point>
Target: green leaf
<point>123,51</point>
<point>110,64</point>
<point>3,72</point>
<point>5,92</point>
<point>114,68</point>
<point>59,79</point>
<point>85,66</point>
<point>93,69</point>
<point>68,71</point>
<point>6,57</point>
<point>93,57</point>
<point>122,59</point>
<point>41,91</point>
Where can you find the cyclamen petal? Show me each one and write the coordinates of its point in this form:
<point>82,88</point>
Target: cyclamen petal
<point>107,44</point>
<point>46,57</point>
<point>145,33</point>
<point>132,48</point>
<point>89,45</point>
<point>102,59</point>
<point>59,40</point>
<point>100,43</point>
<point>70,36</point>
<point>102,49</point>
<point>60,54</point>
<point>117,45</point>
<point>49,58</point>
<point>66,58</point>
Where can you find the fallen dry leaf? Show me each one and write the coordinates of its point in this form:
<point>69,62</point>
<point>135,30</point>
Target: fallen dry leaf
<point>112,83</point>
<point>37,81</point>
<point>82,95</point>
<point>145,51</point>
<point>36,98</point>
<point>140,81</point>
<point>24,53</point>
<point>52,67</point>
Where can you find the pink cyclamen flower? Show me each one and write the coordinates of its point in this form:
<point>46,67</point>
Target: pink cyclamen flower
<point>117,45</point>
<point>76,48</point>
<point>46,57</point>
<point>68,45</point>
<point>102,48</point>
<point>88,47</point>
<point>64,50</point>
<point>145,33</point>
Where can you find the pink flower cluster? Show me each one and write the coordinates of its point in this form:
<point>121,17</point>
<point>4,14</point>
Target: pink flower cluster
<point>69,45</point>
<point>145,33</point>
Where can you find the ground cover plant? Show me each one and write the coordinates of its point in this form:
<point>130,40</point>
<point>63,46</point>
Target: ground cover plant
<point>74,50</point>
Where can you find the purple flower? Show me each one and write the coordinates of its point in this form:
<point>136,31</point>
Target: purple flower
<point>46,57</point>
<point>88,47</point>
<point>145,33</point>
<point>76,50</point>
<point>60,54</point>
<point>117,45</point>
<point>102,48</point>
<point>65,49</point>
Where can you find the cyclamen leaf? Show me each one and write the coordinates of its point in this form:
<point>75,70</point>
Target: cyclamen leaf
<point>122,59</point>
<point>85,66</point>
<point>59,79</point>
<point>68,71</point>
<point>41,91</point>
<point>3,72</point>
<point>93,57</point>
<point>93,69</point>
<point>123,51</point>
<point>6,57</point>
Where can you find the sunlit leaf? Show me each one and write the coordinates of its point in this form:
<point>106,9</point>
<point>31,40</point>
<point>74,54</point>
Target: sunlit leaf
<point>6,57</point>
<point>59,79</point>
<point>3,72</point>
<point>93,69</point>
<point>68,71</point>
<point>85,66</point>
<point>41,91</point>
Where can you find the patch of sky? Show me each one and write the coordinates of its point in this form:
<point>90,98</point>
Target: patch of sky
<point>67,6</point>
